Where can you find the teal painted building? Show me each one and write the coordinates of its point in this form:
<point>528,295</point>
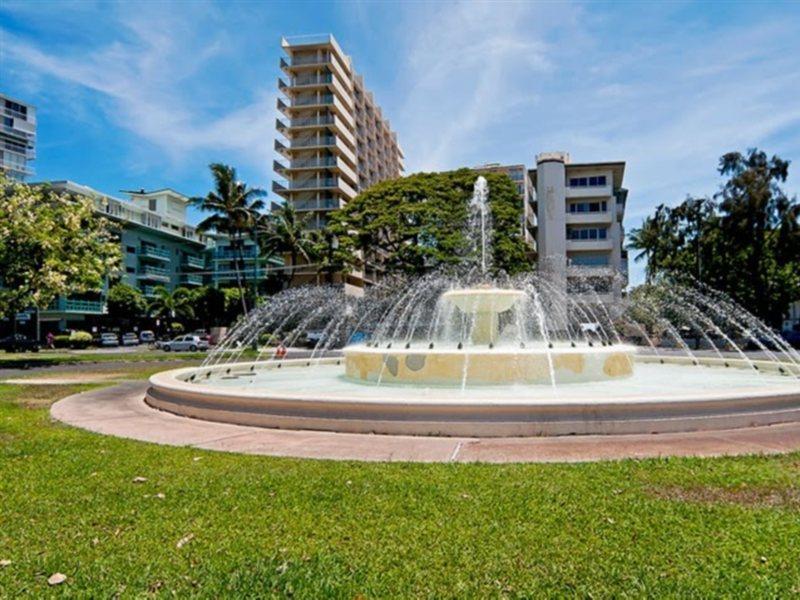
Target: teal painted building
<point>158,248</point>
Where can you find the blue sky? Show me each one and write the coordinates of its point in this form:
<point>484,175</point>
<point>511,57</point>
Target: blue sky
<point>146,94</point>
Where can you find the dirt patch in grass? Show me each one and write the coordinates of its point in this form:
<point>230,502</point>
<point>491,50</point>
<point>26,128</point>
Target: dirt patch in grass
<point>751,497</point>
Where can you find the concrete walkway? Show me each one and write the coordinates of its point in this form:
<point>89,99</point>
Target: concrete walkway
<point>121,411</point>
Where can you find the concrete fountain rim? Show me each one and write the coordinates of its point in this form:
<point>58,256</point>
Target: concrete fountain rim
<point>176,381</point>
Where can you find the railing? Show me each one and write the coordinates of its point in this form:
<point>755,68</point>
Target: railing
<point>153,252</point>
<point>233,254</point>
<point>195,262</point>
<point>306,121</point>
<point>148,290</point>
<point>321,204</point>
<point>192,279</point>
<point>311,80</point>
<point>77,306</point>
<point>154,272</point>
<point>300,60</point>
<point>310,184</point>
<point>321,99</point>
<point>308,39</point>
<point>326,140</point>
<point>19,132</point>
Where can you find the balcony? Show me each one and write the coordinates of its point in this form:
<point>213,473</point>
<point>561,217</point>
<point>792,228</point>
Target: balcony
<point>149,291</point>
<point>154,253</point>
<point>320,204</point>
<point>315,142</point>
<point>154,274</point>
<point>68,305</point>
<point>228,254</point>
<point>191,279</point>
<point>309,80</point>
<point>587,245</point>
<point>194,262</point>
<point>588,218</point>
<point>317,100</point>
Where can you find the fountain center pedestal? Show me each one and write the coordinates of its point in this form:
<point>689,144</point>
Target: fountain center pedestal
<point>484,362</point>
<point>484,305</point>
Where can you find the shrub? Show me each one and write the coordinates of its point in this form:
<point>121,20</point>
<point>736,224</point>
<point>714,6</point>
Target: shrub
<point>176,328</point>
<point>61,341</point>
<point>268,339</point>
<point>80,339</point>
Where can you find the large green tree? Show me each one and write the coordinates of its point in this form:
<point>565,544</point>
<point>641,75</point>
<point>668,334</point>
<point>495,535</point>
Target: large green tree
<point>209,306</point>
<point>125,302</point>
<point>235,209</point>
<point>745,241</point>
<point>51,245</point>
<point>417,223</point>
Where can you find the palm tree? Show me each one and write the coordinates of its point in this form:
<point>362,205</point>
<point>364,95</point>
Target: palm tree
<point>650,240</point>
<point>284,232</point>
<point>171,305</point>
<point>235,208</point>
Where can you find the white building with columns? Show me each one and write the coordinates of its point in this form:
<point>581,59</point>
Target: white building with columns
<point>580,238</point>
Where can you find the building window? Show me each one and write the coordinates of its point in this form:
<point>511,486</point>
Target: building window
<point>587,233</point>
<point>590,207</point>
<point>151,204</point>
<point>589,260</point>
<point>130,249</point>
<point>597,181</point>
<point>130,270</point>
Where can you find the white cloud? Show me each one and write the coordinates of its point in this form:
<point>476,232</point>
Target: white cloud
<point>467,67</point>
<point>146,81</point>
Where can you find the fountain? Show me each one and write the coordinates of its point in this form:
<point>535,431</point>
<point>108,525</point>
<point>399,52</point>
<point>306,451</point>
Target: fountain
<point>468,351</point>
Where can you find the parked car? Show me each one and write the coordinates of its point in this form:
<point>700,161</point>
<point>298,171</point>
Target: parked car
<point>19,343</point>
<point>130,339</point>
<point>183,343</point>
<point>109,339</point>
<point>147,337</point>
<point>201,333</point>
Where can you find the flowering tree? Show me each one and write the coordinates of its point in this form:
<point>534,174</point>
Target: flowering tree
<point>51,245</point>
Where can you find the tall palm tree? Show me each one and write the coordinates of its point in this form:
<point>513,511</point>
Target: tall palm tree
<point>650,240</point>
<point>284,232</point>
<point>236,210</point>
<point>171,305</point>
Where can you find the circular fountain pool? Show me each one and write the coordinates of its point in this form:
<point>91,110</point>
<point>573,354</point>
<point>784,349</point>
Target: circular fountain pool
<point>674,396</point>
<point>472,352</point>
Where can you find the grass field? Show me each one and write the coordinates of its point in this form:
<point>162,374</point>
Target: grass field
<point>25,360</point>
<point>212,524</point>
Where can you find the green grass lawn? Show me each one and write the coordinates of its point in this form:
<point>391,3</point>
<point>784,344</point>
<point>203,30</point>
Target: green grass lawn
<point>213,524</point>
<point>48,358</point>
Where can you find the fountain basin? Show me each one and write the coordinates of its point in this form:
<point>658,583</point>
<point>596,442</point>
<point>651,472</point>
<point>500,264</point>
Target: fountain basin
<point>485,366</point>
<point>665,394</point>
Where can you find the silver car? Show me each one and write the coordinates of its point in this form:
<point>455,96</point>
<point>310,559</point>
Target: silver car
<point>185,343</point>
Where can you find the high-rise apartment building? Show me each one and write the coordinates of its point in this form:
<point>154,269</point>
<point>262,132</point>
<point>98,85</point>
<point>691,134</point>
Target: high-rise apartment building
<point>580,238</point>
<point>337,141</point>
<point>17,138</point>
<point>519,175</point>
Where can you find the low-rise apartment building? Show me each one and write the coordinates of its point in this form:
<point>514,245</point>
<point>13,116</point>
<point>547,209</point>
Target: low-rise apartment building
<point>17,138</point>
<point>336,141</point>
<point>580,237</point>
<point>159,248</point>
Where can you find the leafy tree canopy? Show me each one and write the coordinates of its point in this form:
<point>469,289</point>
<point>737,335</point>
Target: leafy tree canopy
<point>417,223</point>
<point>745,241</point>
<point>126,302</point>
<point>51,245</point>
